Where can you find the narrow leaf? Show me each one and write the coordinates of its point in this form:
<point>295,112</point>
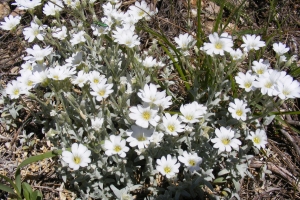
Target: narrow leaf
<point>33,159</point>
<point>26,191</point>
<point>18,180</point>
<point>12,184</point>
<point>5,188</point>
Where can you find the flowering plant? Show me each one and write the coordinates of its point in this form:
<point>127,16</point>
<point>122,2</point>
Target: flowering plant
<point>101,96</point>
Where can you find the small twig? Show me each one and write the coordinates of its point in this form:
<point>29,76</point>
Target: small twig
<point>9,59</point>
<point>297,123</point>
<point>278,170</point>
<point>17,133</point>
<point>291,140</point>
<point>48,188</point>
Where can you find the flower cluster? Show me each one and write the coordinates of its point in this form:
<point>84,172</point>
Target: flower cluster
<point>99,93</point>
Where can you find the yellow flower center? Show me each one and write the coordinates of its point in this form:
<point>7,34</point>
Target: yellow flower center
<point>117,148</point>
<point>101,93</point>
<point>268,85</point>
<point>128,42</point>
<point>192,162</point>
<point>189,117</point>
<point>171,128</point>
<point>218,45</point>
<point>239,112</point>
<point>29,83</point>
<point>286,92</point>
<point>260,71</point>
<point>256,140</point>
<point>141,138</point>
<point>167,170</point>
<point>55,77</point>
<point>247,84</point>
<point>77,159</point>
<point>225,141</point>
<point>16,92</point>
<point>146,115</point>
<point>36,32</point>
<point>141,13</point>
<point>96,81</point>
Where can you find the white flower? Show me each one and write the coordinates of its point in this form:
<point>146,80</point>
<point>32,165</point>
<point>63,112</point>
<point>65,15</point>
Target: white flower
<point>190,113</point>
<point>10,22</point>
<point>139,136</point>
<point>236,54</point>
<point>267,82</point>
<point>60,73</point>
<point>79,157</point>
<point>37,53</point>
<point>15,89</point>
<point>167,166</point>
<point>252,42</point>
<point>108,21</point>
<point>165,102</point>
<point>53,113</point>
<point>184,41</point>
<point>129,19</point>
<point>259,138</point>
<point>68,2</point>
<point>99,30</point>
<point>172,124</point>
<point>260,67</point>
<point>191,161</point>
<point>80,79</point>
<point>199,107</point>
<point>27,4</point>
<point>26,79</point>
<point>280,48</point>
<point>149,62</point>
<point>40,77</point>
<point>95,78</point>
<point>245,81</point>
<point>35,31</point>
<point>238,109</point>
<point>218,44</point>
<point>78,38</point>
<point>288,88</point>
<point>75,60</point>
<point>156,138</point>
<point>126,37</point>
<point>141,10</point>
<point>60,33</point>
<point>26,67</point>
<point>144,116</point>
<point>109,9</point>
<point>282,59</point>
<point>51,9</point>
<point>225,140</point>
<point>115,146</point>
<point>101,90</point>
<point>151,95</point>
<point>97,123</point>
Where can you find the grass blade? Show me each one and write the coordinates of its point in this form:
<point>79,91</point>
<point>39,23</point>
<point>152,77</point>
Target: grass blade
<point>5,188</point>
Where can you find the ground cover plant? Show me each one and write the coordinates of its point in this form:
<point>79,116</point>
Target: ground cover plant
<point>130,112</point>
